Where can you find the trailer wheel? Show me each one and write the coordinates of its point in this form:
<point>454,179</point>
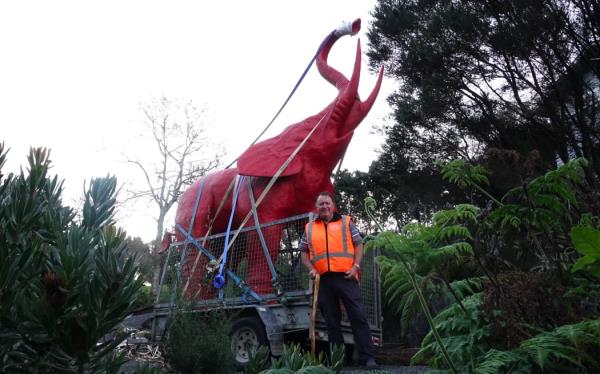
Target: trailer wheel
<point>247,335</point>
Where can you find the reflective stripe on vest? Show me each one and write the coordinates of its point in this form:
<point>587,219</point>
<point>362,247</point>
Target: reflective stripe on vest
<point>331,253</point>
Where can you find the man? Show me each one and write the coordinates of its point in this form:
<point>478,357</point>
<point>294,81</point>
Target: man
<point>332,247</point>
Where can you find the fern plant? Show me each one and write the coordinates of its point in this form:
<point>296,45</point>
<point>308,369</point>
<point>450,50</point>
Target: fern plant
<point>427,249</point>
<point>463,332</point>
<point>464,174</point>
<point>544,203</point>
<point>562,350</point>
<point>407,269</point>
<point>535,217</point>
<point>532,218</point>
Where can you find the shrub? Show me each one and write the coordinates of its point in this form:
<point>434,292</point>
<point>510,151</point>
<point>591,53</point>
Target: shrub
<point>527,299</point>
<point>64,282</point>
<point>199,342</point>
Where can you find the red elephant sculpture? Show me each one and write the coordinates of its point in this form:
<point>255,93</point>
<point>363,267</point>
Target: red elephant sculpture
<point>293,193</point>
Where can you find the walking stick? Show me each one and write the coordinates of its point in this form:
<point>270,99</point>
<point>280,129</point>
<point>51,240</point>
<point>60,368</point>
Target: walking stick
<point>313,313</point>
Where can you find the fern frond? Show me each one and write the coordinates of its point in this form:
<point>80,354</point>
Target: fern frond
<point>496,361</point>
<point>507,216</point>
<point>467,287</point>
<point>463,334</point>
<point>410,309</point>
<point>562,344</point>
<point>460,213</point>
<point>453,231</point>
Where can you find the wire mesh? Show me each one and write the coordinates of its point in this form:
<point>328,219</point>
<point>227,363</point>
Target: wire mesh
<point>188,274</point>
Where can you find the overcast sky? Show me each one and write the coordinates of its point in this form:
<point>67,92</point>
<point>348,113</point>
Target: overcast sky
<point>73,75</point>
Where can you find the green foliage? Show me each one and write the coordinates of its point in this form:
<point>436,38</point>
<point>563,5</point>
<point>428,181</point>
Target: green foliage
<point>258,360</point>
<point>502,320</point>
<point>144,297</point>
<point>586,241</point>
<point>428,250</point>
<point>293,360</point>
<point>145,260</point>
<point>464,174</point>
<point>463,333</point>
<point>564,349</point>
<point>406,187</point>
<point>64,284</point>
<point>199,343</point>
<point>485,73</point>
<point>531,222</point>
<point>544,204</point>
<point>466,336</point>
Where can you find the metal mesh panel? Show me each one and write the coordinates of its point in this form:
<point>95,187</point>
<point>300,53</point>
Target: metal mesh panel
<point>248,260</point>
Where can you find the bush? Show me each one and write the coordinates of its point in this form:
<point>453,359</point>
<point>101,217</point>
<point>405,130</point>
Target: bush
<point>199,343</point>
<point>144,297</point>
<point>527,299</point>
<point>65,282</point>
<point>535,304</point>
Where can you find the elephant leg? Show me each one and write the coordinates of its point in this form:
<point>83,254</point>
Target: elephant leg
<point>259,273</point>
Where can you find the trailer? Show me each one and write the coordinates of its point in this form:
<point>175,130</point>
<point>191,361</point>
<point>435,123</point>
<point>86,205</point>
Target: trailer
<point>270,319</point>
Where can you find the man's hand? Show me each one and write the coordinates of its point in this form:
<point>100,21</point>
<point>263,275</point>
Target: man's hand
<point>312,273</point>
<point>352,272</point>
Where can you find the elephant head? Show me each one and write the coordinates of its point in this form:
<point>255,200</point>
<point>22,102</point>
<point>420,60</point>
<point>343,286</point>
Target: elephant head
<point>336,122</point>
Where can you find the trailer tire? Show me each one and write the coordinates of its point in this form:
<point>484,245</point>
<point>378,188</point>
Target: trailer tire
<point>247,335</point>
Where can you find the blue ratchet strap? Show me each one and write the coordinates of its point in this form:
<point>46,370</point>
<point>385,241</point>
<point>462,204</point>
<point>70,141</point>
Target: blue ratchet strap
<point>219,280</point>
<point>184,252</point>
<point>291,93</point>
<point>247,291</point>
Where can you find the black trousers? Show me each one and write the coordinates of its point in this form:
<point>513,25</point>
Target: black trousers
<point>333,288</point>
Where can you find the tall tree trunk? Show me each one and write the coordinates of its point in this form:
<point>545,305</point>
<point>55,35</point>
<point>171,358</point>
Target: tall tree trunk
<point>160,222</point>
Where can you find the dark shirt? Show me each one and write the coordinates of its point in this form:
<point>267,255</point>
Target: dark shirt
<point>356,237</point>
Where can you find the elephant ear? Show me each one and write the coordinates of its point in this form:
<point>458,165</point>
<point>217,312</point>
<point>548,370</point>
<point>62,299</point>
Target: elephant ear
<point>263,159</point>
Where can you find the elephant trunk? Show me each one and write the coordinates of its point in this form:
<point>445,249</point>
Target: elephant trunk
<point>345,114</point>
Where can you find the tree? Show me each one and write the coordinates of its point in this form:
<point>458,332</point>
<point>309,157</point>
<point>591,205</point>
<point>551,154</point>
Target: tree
<point>65,282</point>
<point>403,180</point>
<point>183,155</point>
<point>145,263</point>
<point>508,74</point>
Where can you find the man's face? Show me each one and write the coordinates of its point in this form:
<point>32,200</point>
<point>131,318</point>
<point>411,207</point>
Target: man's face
<point>325,207</point>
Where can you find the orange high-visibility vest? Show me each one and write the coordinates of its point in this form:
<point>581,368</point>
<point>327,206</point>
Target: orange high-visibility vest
<point>330,245</point>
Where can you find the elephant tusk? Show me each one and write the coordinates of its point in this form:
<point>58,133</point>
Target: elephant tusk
<point>366,105</point>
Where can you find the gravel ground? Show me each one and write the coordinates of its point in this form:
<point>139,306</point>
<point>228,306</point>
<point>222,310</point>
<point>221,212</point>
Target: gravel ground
<point>131,367</point>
